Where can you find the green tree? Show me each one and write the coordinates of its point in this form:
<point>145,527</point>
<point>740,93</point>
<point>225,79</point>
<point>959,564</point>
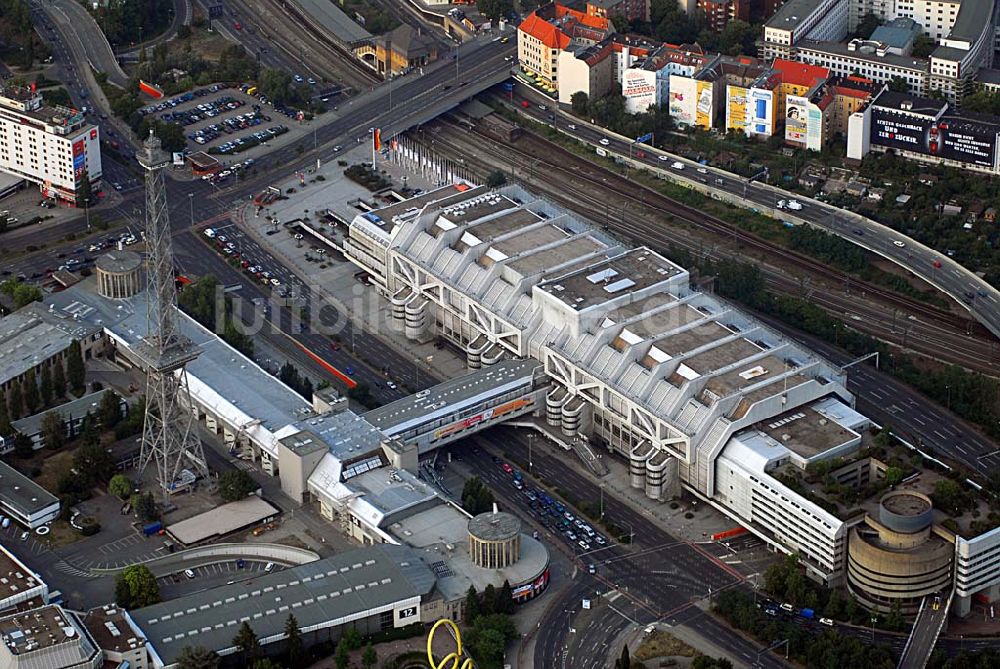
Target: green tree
<point>58,380</point>
<point>247,643</point>
<point>580,103</point>
<point>869,22</point>
<point>53,430</point>
<point>123,593</point>
<point>29,390</point>
<point>489,600</point>
<point>23,446</point>
<point>22,294</point>
<point>899,85</point>
<point>369,658</point>
<point>496,179</point>
<point>949,497</point>
<point>476,497</point>
<point>120,486</point>
<point>142,588</point>
<point>84,191</point>
<point>145,506</point>
<point>93,462</point>
<point>923,46</point>
<point>352,638</point>
<point>488,639</point>
<point>341,658</point>
<point>74,367</point>
<point>625,660</point>
<point>297,656</point>
<point>45,387</point>
<point>895,619</point>
<point>110,410</point>
<point>16,404</point>
<point>5,427</point>
<point>505,599</point>
<point>494,9</point>
<point>275,85</point>
<point>265,663</point>
<point>472,607</point>
<point>235,485</point>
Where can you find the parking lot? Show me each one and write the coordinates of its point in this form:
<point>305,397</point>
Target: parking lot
<point>212,575</point>
<point>228,121</point>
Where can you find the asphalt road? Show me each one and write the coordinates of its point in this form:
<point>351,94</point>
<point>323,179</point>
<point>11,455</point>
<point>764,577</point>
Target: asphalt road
<point>910,414</point>
<point>280,330</point>
<point>75,22</point>
<point>962,285</point>
<point>656,579</point>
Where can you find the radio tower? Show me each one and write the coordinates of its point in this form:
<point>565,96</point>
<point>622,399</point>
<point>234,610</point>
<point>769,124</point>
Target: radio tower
<point>167,437</point>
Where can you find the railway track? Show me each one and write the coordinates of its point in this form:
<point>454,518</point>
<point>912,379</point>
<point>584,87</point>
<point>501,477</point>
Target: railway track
<point>283,21</point>
<point>591,191</point>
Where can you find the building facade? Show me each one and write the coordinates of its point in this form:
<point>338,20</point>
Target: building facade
<point>55,148</point>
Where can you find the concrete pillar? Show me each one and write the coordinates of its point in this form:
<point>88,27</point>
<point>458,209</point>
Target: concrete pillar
<point>961,606</point>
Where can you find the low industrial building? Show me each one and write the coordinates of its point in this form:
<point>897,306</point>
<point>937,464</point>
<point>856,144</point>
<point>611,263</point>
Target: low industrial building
<point>20,588</point>
<point>24,501</point>
<point>73,414</point>
<point>112,632</point>
<point>371,589</point>
<point>48,636</point>
<point>223,520</point>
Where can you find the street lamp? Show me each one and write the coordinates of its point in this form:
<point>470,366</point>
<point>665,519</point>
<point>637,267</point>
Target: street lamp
<point>531,440</point>
<point>191,205</point>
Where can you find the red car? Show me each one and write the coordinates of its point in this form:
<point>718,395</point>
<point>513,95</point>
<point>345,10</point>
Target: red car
<point>237,25</point>
<point>507,468</point>
<point>525,104</point>
<point>937,264</point>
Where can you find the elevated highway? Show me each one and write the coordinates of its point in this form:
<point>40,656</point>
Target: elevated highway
<point>962,285</point>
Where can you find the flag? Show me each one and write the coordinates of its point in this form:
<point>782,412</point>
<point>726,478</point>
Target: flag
<point>377,139</point>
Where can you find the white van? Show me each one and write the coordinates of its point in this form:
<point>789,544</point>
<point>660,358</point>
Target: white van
<point>210,233</point>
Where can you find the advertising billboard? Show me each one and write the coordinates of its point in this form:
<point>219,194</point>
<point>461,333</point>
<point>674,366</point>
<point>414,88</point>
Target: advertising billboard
<point>814,128</point>
<point>796,119</point>
<point>967,141</point>
<point>761,112</point>
<point>683,91</point>
<point>639,90</point>
<point>952,137</point>
<point>489,414</point>
<point>691,102</point>
<point>737,108</point>
<point>750,110</point>
<point>704,104</point>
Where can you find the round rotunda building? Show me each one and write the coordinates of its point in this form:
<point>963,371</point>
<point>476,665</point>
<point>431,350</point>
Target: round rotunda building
<point>119,274</point>
<point>494,540</point>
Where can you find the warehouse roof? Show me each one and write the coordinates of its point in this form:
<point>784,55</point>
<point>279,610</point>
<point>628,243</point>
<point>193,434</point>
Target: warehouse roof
<point>21,494</point>
<point>222,520</point>
<point>321,594</point>
<point>26,340</point>
<point>78,408</point>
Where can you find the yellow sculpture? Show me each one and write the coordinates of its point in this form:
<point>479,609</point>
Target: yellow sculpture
<point>454,657</point>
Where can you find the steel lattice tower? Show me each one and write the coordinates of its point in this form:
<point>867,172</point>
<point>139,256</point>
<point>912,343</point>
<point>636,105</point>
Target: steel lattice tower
<point>167,436</point>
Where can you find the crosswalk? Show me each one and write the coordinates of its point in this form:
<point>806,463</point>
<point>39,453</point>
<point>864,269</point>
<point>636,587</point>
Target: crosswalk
<point>68,569</point>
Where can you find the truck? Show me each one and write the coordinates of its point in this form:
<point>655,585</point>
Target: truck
<point>808,614</point>
<point>152,528</point>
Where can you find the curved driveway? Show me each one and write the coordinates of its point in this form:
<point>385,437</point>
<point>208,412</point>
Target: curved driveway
<point>87,39</point>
